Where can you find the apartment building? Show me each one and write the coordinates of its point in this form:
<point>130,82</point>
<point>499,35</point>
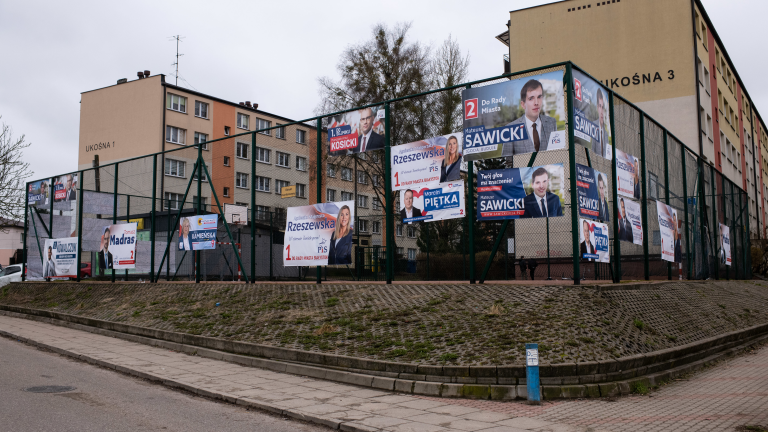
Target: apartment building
<point>666,57</point>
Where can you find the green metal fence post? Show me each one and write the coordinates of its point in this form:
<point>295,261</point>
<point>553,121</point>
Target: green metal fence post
<point>319,177</point>
<point>646,264</point>
<point>152,221</point>
<point>471,215</point>
<point>198,210</point>
<point>114,212</point>
<point>684,155</point>
<point>50,218</point>
<point>572,170</point>
<point>127,218</point>
<point>79,220</point>
<point>429,234</point>
<point>666,195</point>
<point>748,238</point>
<point>715,222</point>
<point>253,208</point>
<point>615,193</point>
<point>271,245</point>
<point>24,238</point>
<point>734,254</point>
<point>390,251</point>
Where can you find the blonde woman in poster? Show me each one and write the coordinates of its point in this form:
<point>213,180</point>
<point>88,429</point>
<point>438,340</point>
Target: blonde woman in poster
<point>184,241</point>
<point>451,168</point>
<point>341,240</point>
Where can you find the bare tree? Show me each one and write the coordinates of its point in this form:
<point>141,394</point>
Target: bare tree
<point>13,173</point>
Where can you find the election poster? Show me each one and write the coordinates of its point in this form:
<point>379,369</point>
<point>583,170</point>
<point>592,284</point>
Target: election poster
<point>592,188</point>
<point>117,248</point>
<point>39,193</point>
<point>60,258</point>
<point>319,234</point>
<point>499,118</point>
<point>725,245</point>
<point>670,234</point>
<point>627,175</point>
<point>435,203</point>
<point>198,232</point>
<point>630,221</point>
<point>65,188</point>
<point>594,241</point>
<point>426,162</point>
<point>592,126</point>
<point>356,131</point>
<point>517,193</point>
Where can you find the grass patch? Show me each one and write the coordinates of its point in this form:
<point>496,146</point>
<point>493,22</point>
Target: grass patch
<point>332,301</point>
<point>325,329</point>
<point>639,388</point>
<point>448,357</point>
<point>639,324</point>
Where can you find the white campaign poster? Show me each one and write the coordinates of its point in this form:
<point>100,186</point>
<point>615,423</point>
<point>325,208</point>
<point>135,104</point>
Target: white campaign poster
<point>60,258</point>
<point>117,247</point>
<point>724,254</point>
<point>670,237</point>
<point>443,201</point>
<point>627,173</point>
<point>427,162</point>
<point>319,234</point>
<point>594,240</point>
<point>630,221</point>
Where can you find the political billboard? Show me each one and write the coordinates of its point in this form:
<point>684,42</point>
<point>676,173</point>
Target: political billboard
<point>499,119</point>
<point>725,245</point>
<point>198,232</point>
<point>117,248</point>
<point>356,131</point>
<point>593,241</point>
<point>592,188</point>
<point>592,126</point>
<point>319,234</point>
<point>60,258</point>
<point>39,193</point>
<point>627,175</point>
<point>427,162</point>
<point>670,233</point>
<point>518,193</point>
<point>65,188</point>
<point>435,203</point>
<point>630,221</point>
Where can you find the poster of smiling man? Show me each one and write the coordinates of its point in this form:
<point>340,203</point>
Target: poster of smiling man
<point>524,115</point>
<point>592,186</point>
<point>435,203</point>
<point>356,131</point>
<point>592,128</point>
<point>518,193</point>
<point>594,239</point>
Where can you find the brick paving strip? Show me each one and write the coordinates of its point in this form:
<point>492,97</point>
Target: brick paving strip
<point>720,398</point>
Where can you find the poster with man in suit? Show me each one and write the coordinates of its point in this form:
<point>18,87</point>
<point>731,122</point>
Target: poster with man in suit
<point>515,193</point>
<point>61,258</point>
<point>519,116</point>
<point>724,253</point>
<point>356,131</point>
<point>591,115</point>
<point>630,221</point>
<point>594,241</point>
<point>592,187</point>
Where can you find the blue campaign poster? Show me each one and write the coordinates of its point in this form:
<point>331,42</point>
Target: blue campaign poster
<point>592,188</point>
<point>516,193</point>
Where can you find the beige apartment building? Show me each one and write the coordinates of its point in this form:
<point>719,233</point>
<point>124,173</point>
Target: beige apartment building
<point>149,115</point>
<point>666,57</point>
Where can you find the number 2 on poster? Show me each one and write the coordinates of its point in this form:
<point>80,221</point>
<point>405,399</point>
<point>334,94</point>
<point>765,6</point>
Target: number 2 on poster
<point>470,109</point>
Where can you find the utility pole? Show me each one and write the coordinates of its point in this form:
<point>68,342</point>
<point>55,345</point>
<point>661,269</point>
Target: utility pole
<point>178,39</point>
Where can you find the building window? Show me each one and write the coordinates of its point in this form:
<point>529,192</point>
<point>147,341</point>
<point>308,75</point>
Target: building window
<point>301,136</point>
<point>332,170</point>
<point>709,125</point>
<point>301,163</point>
<point>201,109</point>
<point>263,124</point>
<point>362,225</point>
<point>399,251</point>
<point>346,196</point>
<point>242,151</point>
<point>203,203</point>
<point>362,201</point>
<point>707,84</point>
<point>653,185</point>
<point>226,160</point>
<point>226,191</point>
<point>376,180</point>
<point>346,174</point>
<point>411,254</point>
<point>194,176</point>
<point>361,177</point>
<point>201,138</point>
<point>330,195</point>
<point>399,230</point>
<point>376,204</point>
<point>262,184</point>
<point>242,121</point>
<point>301,190</point>
<point>226,130</point>
<point>176,103</point>
<point>411,232</point>
<point>280,213</point>
<point>175,168</point>
<point>241,180</point>
<point>280,132</point>
<point>283,160</point>
<point>172,201</point>
<point>279,185</point>
<point>376,227</point>
<point>262,212</point>
<point>375,157</point>
<point>175,135</point>
<point>262,155</point>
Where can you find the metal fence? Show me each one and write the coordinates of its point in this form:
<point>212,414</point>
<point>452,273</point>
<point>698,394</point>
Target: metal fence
<point>251,169</point>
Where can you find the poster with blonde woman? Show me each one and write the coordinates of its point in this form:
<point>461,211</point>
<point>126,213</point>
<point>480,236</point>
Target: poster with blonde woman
<point>319,234</point>
<point>426,163</point>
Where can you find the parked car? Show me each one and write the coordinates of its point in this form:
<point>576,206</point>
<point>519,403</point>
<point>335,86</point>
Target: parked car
<point>85,270</point>
<point>11,273</point>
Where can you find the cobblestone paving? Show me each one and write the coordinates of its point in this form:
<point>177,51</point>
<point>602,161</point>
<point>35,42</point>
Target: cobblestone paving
<point>730,394</point>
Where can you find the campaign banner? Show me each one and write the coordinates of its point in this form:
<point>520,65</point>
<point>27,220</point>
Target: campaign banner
<point>426,162</point>
<point>670,233</point>
<point>60,258</point>
<point>495,117</point>
<point>627,175</point>
<point>356,131</point>
<point>630,221</point>
<point>39,193</point>
<point>440,202</point>
<point>591,115</point>
<point>594,240</point>
<point>725,245</point>
<point>121,250</point>
<point>517,193</point>
<point>65,188</point>
<point>592,188</point>
<point>198,232</point>
<point>319,234</point>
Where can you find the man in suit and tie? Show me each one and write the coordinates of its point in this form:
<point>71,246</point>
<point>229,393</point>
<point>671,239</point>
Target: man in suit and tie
<point>50,266</point>
<point>601,190</point>
<point>105,257</point>
<point>586,246</point>
<point>408,211</point>
<point>625,226</point>
<point>677,246</point>
<point>71,192</point>
<point>538,125</point>
<point>541,202</point>
<point>368,139</point>
<point>600,144</point>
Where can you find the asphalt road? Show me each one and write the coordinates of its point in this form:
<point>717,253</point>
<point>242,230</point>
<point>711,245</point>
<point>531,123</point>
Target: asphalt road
<point>106,400</point>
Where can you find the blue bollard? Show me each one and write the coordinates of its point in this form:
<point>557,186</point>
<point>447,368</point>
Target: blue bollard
<point>532,372</point>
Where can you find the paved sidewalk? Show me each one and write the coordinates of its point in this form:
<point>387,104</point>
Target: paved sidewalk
<point>721,398</point>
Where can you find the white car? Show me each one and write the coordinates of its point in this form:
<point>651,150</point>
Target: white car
<point>11,273</point>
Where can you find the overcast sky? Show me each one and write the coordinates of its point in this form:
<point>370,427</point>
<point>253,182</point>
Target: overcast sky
<point>270,53</point>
